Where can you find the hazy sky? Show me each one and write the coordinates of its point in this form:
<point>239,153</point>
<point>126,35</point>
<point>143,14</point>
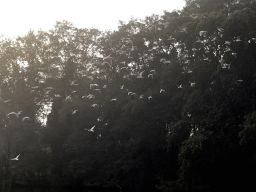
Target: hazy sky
<point>18,16</point>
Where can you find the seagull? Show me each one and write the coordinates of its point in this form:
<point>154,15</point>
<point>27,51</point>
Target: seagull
<point>90,96</point>
<point>105,62</point>
<point>68,98</point>
<point>238,39</point>
<point>47,91</point>
<point>47,87</point>
<point>13,113</point>
<point>205,58</point>
<point>220,29</point>
<point>180,87</point>
<point>7,100</point>
<point>238,81</point>
<point>16,158</point>
<point>162,90</point>
<point>108,57</point>
<point>113,99</point>
<point>192,84</point>
<point>104,86</point>
<point>72,82</point>
<point>122,87</point>
<point>98,90</point>
<point>234,54</point>
<point>183,30</point>
<point>150,75</point>
<point>202,33</point>
<point>140,75</point>
<point>95,105</point>
<point>91,130</point>
<point>131,93</point>
<point>93,85</point>
<point>141,97</point>
<point>153,70</point>
<point>24,118</point>
<point>74,111</point>
<point>150,97</point>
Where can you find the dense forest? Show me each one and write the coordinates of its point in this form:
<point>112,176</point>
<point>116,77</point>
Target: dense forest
<point>166,102</point>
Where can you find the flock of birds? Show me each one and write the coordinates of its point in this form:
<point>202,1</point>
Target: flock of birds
<point>207,42</point>
<point>203,39</point>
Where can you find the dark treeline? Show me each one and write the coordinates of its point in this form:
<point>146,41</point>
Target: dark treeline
<point>166,102</point>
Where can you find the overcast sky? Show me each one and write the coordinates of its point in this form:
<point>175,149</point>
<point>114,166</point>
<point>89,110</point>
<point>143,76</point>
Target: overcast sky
<point>18,16</point>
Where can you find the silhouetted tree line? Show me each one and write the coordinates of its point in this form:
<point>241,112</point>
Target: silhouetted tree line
<point>166,102</point>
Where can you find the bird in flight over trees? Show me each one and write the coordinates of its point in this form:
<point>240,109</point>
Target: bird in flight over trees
<point>13,113</point>
<point>140,75</point>
<point>16,158</point>
<point>94,85</point>
<point>25,118</point>
<point>95,105</point>
<point>91,130</point>
<point>162,90</point>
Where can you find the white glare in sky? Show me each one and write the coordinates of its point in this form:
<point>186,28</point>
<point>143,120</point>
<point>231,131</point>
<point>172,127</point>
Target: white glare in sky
<point>18,16</point>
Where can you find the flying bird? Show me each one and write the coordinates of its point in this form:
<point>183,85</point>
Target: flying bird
<point>68,97</point>
<point>131,93</point>
<point>74,111</point>
<point>25,118</point>
<point>152,71</point>
<point>108,57</point>
<point>13,113</point>
<point>98,90</point>
<point>90,96</point>
<point>95,105</point>
<point>16,158</point>
<point>94,85</point>
<point>91,130</point>
<point>192,84</point>
<point>202,33</point>
<point>72,82</point>
<point>140,75</point>
<point>150,75</point>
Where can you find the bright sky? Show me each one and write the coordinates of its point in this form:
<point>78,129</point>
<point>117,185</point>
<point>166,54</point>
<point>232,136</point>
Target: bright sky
<point>18,16</point>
